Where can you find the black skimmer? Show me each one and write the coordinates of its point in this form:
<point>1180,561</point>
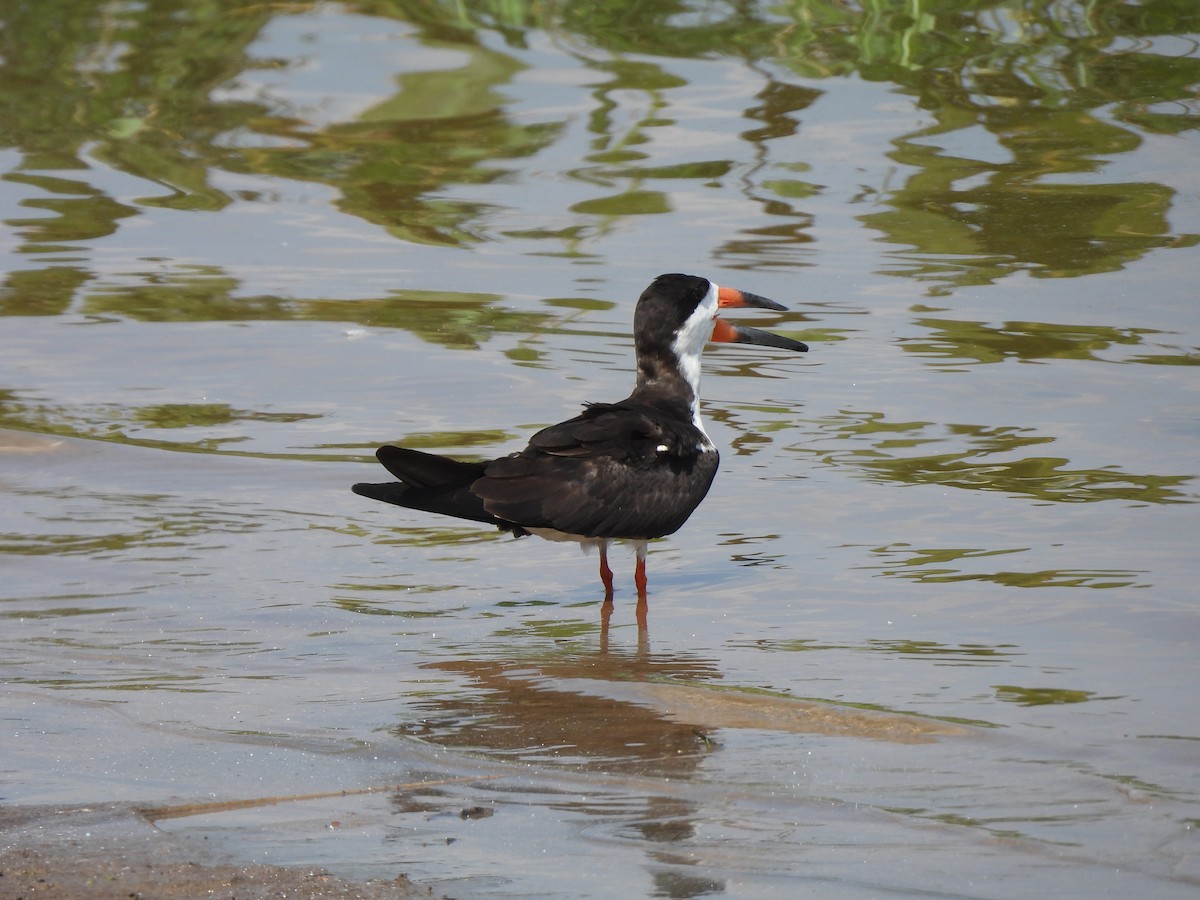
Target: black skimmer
<point>632,470</point>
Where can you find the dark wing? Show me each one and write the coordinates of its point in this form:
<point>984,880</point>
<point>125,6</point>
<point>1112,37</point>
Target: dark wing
<point>618,470</point>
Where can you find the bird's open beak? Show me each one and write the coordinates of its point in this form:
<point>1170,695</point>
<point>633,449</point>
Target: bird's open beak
<point>726,332</point>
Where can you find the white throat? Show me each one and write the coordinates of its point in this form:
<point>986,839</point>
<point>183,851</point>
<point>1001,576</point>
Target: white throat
<point>689,345</point>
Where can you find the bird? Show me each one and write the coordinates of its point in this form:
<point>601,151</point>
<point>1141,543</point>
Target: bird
<point>633,470</point>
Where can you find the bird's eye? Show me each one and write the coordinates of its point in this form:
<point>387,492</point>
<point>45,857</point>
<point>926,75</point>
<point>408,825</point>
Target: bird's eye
<point>662,448</point>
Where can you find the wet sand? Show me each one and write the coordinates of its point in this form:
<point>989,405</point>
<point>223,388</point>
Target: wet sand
<point>111,851</point>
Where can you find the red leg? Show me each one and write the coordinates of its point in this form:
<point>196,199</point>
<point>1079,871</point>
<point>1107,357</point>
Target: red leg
<point>639,573</point>
<point>639,578</point>
<point>606,574</point>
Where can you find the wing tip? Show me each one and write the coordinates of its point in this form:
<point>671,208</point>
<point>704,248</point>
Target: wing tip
<point>388,491</point>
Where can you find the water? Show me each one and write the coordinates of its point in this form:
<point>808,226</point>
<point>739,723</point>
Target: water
<point>243,250</point>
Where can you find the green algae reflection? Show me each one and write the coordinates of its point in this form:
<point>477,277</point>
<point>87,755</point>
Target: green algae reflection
<point>1028,104</point>
<point>983,457</point>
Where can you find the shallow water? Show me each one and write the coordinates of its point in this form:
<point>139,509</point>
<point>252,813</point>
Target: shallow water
<point>244,250</point>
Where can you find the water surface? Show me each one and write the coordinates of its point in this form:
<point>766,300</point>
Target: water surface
<point>934,628</point>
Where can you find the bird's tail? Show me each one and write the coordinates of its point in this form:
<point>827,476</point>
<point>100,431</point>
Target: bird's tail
<point>427,470</point>
<point>431,483</point>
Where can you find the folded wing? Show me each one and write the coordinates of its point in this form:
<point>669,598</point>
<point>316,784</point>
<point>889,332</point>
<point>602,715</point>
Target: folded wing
<point>617,470</point>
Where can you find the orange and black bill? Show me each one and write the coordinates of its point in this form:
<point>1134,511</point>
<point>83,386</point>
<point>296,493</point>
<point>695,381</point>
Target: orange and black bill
<point>726,332</point>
